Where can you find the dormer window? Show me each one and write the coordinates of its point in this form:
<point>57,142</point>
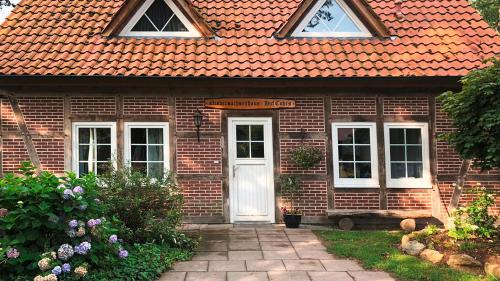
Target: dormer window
<point>159,18</point>
<point>331,18</point>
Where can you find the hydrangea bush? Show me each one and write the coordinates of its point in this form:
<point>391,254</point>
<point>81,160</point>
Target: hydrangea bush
<point>53,227</point>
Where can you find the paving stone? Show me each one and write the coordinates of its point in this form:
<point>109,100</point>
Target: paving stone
<point>308,265</point>
<point>211,246</point>
<point>330,276</point>
<point>288,276</point>
<point>244,245</point>
<point>314,254</point>
<point>242,230</point>
<point>210,256</point>
<point>245,255</point>
<point>239,239</point>
<point>273,237</point>
<point>172,276</point>
<point>270,231</point>
<point>280,255</point>
<point>265,265</point>
<point>341,265</point>
<point>191,266</point>
<point>276,246</point>
<point>371,276</point>
<point>226,266</point>
<point>297,231</point>
<point>205,276</point>
<point>220,226</point>
<point>247,276</point>
<point>308,245</point>
<point>302,237</point>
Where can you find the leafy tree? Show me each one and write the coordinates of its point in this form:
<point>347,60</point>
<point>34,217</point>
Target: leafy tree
<point>490,10</point>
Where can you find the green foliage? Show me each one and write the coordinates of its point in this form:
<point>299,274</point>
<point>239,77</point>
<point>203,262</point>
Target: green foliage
<point>468,246</point>
<point>489,9</point>
<point>476,115</point>
<point>431,229</point>
<point>145,262</point>
<point>376,250</point>
<point>290,188</point>
<point>149,208</point>
<point>34,220</point>
<point>306,157</point>
<point>474,220</point>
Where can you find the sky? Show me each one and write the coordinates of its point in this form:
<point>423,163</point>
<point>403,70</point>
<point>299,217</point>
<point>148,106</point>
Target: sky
<point>5,11</point>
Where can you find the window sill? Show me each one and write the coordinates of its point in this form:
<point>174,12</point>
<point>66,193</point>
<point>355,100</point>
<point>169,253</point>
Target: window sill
<point>412,187</point>
<point>343,185</point>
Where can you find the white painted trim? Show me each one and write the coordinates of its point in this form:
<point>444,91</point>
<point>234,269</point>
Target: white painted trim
<point>166,138</point>
<point>75,148</point>
<point>268,157</point>
<point>355,183</point>
<point>425,181</point>
<point>127,30</point>
<point>298,32</point>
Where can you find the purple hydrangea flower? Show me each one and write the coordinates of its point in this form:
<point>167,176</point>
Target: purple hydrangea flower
<point>78,189</point>
<point>13,253</point>
<point>67,194</point>
<point>98,221</point>
<point>73,223</point>
<point>3,212</point>
<point>66,268</point>
<point>91,223</point>
<point>112,239</point>
<point>123,254</point>
<point>57,270</point>
<point>83,248</point>
<point>65,252</point>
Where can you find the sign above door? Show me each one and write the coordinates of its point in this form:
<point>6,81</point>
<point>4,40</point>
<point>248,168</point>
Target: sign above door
<point>248,103</point>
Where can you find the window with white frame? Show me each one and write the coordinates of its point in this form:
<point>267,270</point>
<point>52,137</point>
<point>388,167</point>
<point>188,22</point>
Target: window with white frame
<point>94,145</point>
<point>331,18</point>
<point>407,155</point>
<point>355,154</point>
<point>159,18</point>
<point>146,147</point>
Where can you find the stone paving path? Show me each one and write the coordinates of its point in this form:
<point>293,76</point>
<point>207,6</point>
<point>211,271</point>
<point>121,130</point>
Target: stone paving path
<point>267,253</point>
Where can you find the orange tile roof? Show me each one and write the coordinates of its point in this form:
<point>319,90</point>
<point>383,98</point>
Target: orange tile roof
<point>63,37</point>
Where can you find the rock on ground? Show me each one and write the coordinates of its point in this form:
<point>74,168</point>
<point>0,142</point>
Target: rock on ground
<point>492,266</point>
<point>431,255</point>
<point>408,225</point>
<point>463,260</point>
<point>413,248</point>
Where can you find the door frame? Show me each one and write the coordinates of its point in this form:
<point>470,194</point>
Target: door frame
<point>269,156</point>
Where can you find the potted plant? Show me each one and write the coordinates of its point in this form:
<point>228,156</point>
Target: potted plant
<point>306,156</point>
<point>290,187</point>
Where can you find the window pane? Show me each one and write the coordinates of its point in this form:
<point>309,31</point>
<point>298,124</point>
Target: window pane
<point>83,135</point>
<point>103,135</point>
<point>175,25</point>
<point>139,167</point>
<point>138,153</point>
<point>84,152</point>
<point>397,153</point>
<point>155,170</point>
<point>397,136</point>
<point>242,132</point>
<point>155,136</point>
<point>414,153</point>
<point>103,152</point>
<point>398,170</point>
<point>242,150</point>
<point>363,170</point>
<point>344,135</point>
<point>363,153</point>
<point>346,170</point>
<point>331,18</point>
<point>143,24</point>
<point>155,153</point>
<point>415,170</point>
<point>159,13</point>
<point>257,150</point>
<point>257,132</point>
<point>362,136</point>
<point>413,136</point>
<point>345,153</point>
<point>102,168</point>
<point>83,169</point>
<point>138,135</point>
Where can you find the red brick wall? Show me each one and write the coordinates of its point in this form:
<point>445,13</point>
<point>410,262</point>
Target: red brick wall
<point>202,197</point>
<point>448,161</point>
<point>14,152</point>
<point>308,114</point>
<point>356,200</point>
<point>195,157</point>
<point>415,199</point>
<point>288,166</point>
<point>406,106</point>
<point>93,105</point>
<point>446,190</point>
<point>313,200</point>
<point>51,153</point>
<point>9,122</point>
<point>353,106</point>
<point>185,109</point>
<point>145,105</point>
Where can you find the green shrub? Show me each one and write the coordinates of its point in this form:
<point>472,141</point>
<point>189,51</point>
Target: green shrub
<point>41,213</point>
<point>306,156</point>
<point>149,208</point>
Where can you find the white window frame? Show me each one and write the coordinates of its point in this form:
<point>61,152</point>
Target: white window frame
<point>355,182</point>
<point>425,181</point>
<point>298,32</point>
<point>166,137</point>
<point>127,30</point>
<point>75,148</point>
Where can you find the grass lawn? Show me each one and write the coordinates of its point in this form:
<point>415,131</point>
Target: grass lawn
<point>377,250</point>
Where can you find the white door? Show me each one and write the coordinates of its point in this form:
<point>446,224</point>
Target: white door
<point>251,180</point>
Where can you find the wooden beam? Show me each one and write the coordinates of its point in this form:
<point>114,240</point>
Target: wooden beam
<point>295,19</point>
<point>194,17</point>
<point>68,144</point>
<point>381,152</point>
<point>435,195</point>
<point>329,150</point>
<point>121,18</point>
<point>403,214</point>
<point>120,131</point>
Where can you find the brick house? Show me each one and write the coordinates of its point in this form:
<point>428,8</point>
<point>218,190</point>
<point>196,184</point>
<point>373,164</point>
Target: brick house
<point>86,81</point>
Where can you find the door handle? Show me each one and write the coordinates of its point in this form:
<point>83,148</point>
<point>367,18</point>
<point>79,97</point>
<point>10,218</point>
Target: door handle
<point>234,170</point>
